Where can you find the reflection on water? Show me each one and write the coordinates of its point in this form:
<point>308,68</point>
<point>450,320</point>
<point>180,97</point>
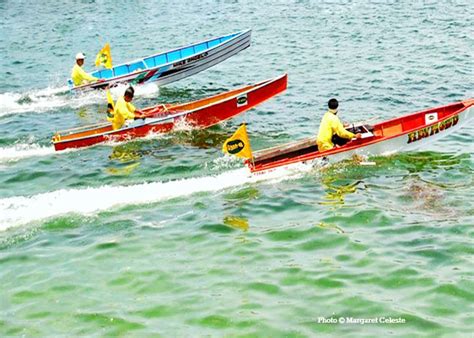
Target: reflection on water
<point>241,195</point>
<point>330,226</point>
<point>128,157</point>
<point>336,189</point>
<point>126,153</point>
<point>123,171</point>
<point>338,179</point>
<point>212,137</point>
<point>423,161</point>
<point>336,193</point>
<point>132,152</point>
<point>82,113</point>
<point>236,222</point>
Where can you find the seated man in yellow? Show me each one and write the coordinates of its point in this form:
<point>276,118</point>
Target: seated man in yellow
<point>78,75</point>
<point>124,109</point>
<point>330,126</point>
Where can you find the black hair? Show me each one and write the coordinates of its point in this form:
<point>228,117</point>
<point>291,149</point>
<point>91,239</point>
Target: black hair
<point>333,104</point>
<point>129,91</point>
<point>109,106</point>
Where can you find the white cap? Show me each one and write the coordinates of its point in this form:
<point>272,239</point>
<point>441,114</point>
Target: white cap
<point>80,56</point>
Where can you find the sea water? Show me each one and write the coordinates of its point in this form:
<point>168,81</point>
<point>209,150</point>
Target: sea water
<point>167,237</point>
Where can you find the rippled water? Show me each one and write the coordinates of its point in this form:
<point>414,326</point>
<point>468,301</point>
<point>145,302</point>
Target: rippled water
<point>165,236</point>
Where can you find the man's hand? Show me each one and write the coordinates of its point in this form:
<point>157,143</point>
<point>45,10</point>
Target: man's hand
<point>138,115</point>
<point>358,136</point>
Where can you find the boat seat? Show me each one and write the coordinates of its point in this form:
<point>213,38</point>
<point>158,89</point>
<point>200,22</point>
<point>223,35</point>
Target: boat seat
<point>106,74</point>
<point>174,56</point>
<point>160,60</point>
<point>187,52</point>
<point>150,62</point>
<point>121,70</point>
<point>200,47</point>
<point>360,128</point>
<point>287,150</point>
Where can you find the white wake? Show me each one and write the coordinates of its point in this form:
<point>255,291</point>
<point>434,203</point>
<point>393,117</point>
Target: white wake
<point>21,151</point>
<point>21,210</point>
<point>43,100</point>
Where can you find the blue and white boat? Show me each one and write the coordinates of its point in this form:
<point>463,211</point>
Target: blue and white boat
<point>172,65</point>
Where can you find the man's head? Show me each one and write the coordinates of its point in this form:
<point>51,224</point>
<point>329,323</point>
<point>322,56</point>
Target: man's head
<point>128,95</point>
<point>80,58</point>
<point>333,104</point>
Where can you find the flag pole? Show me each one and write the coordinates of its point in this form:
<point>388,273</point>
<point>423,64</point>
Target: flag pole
<point>250,146</point>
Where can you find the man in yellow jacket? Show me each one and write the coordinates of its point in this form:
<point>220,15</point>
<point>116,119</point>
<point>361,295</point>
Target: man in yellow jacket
<point>78,75</point>
<point>331,126</point>
<point>125,110</point>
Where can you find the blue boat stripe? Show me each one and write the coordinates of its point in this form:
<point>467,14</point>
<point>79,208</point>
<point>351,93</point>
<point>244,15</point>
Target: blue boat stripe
<point>164,74</point>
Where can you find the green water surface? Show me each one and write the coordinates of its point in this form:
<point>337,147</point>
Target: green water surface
<point>275,258</point>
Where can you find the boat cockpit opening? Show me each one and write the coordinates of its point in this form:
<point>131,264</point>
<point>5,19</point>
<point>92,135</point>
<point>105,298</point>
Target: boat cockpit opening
<point>360,128</point>
<point>307,146</point>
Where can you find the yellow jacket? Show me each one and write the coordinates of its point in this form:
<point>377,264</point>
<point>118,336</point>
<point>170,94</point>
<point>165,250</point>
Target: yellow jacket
<point>330,125</point>
<point>123,111</point>
<point>80,77</point>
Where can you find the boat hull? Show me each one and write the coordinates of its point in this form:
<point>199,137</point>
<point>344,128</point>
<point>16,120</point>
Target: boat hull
<point>175,67</point>
<point>407,133</point>
<point>164,118</point>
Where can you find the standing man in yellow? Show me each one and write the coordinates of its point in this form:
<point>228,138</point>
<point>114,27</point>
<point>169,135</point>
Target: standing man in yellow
<point>78,75</point>
<point>331,126</point>
<point>125,110</point>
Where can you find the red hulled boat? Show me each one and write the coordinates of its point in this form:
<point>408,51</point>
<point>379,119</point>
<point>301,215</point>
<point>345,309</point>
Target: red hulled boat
<point>404,133</point>
<point>164,117</point>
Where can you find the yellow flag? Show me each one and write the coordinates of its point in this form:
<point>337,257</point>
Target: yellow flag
<point>238,144</point>
<point>104,57</point>
<point>110,106</point>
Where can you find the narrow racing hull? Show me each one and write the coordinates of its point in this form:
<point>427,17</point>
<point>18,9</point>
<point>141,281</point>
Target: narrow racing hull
<point>165,117</point>
<point>405,133</point>
<point>173,65</point>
